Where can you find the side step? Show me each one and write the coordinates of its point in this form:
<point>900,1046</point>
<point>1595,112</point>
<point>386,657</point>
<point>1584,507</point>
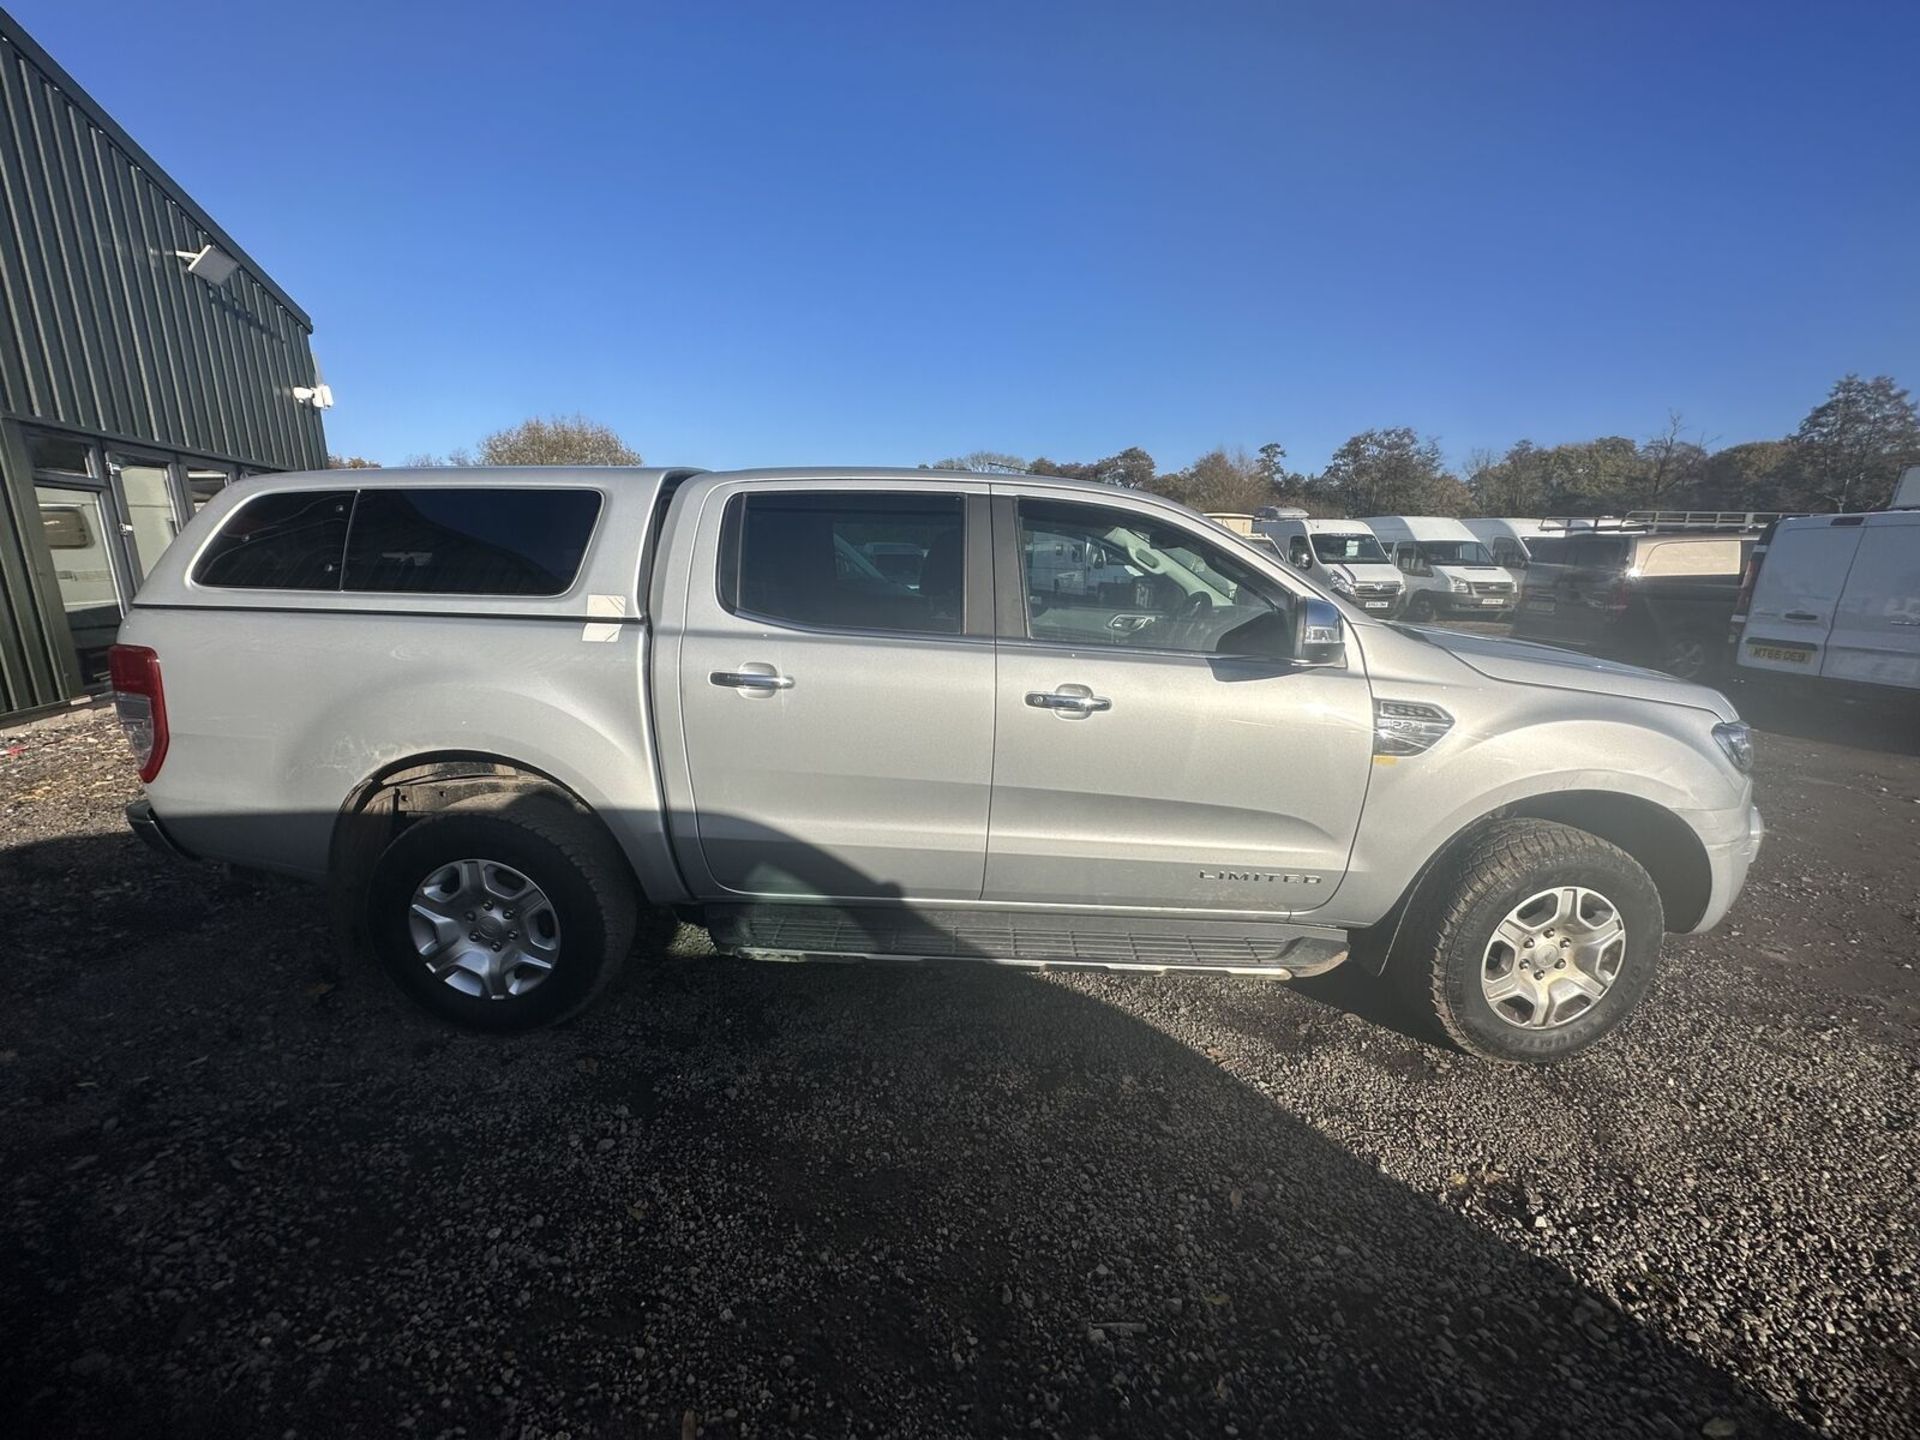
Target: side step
<point>1156,945</point>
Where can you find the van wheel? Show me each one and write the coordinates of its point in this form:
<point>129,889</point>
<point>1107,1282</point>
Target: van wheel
<point>504,912</point>
<point>1420,608</point>
<point>1687,654</point>
<point>1534,941</point>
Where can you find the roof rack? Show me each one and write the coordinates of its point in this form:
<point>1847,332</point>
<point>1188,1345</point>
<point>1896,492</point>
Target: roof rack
<point>1648,522</point>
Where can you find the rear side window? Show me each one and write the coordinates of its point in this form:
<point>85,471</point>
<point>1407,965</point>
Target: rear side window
<point>287,541</point>
<point>847,561</point>
<point>1691,557</point>
<point>1547,552</point>
<point>482,541</point>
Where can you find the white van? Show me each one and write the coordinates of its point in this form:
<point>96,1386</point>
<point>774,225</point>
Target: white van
<point>1509,539</point>
<point>1343,554</point>
<point>1835,598</point>
<point>1448,569</point>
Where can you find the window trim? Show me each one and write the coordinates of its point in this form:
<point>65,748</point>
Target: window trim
<point>1010,600</point>
<point>976,585</point>
<point>353,494</point>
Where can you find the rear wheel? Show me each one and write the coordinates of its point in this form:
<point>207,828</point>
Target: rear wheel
<point>1533,941</point>
<point>502,913</point>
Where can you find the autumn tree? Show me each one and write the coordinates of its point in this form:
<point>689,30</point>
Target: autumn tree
<point>1853,446</point>
<point>1393,472</point>
<point>351,462</point>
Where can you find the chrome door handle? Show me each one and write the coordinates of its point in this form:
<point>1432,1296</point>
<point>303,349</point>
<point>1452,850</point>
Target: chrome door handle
<point>751,680</point>
<point>1072,704</point>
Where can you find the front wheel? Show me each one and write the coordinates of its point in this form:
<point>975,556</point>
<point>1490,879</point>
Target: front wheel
<point>1534,940</point>
<point>1420,608</point>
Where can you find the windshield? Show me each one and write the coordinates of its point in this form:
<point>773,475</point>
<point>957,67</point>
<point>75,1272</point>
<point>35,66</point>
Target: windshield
<point>1455,552</point>
<point>1360,549</point>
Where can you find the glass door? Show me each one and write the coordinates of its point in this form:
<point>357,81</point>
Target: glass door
<point>82,538</point>
<point>145,489</point>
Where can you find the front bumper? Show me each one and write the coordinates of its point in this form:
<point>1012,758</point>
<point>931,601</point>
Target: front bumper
<point>1729,862</point>
<point>144,823</point>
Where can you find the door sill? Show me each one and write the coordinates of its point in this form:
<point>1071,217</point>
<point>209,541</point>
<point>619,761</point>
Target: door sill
<point>1064,940</point>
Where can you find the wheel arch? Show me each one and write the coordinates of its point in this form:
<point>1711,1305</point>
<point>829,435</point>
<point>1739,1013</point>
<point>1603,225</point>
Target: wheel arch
<point>385,802</point>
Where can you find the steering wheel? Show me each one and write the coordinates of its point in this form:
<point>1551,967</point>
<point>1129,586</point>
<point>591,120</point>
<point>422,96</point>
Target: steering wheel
<point>1196,606</point>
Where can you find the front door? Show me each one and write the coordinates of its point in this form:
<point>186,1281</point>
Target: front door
<point>836,692</point>
<point>1151,748</point>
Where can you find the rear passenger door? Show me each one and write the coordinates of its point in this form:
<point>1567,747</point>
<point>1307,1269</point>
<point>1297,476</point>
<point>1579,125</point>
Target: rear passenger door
<point>1801,579</point>
<point>836,691</point>
<point>1876,627</point>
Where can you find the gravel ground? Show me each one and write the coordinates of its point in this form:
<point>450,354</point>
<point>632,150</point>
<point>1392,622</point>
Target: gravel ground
<point>245,1193</point>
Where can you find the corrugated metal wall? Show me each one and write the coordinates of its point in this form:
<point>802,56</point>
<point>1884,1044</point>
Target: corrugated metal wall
<point>103,330</point>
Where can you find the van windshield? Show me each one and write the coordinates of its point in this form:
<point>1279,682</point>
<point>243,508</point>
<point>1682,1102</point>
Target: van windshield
<point>1455,552</point>
<point>1361,549</point>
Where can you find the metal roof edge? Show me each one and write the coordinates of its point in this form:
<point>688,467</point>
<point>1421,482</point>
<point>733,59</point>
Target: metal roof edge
<point>12,31</point>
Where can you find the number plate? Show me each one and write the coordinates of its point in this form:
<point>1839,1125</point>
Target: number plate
<point>1379,604</point>
<point>1493,600</point>
<point>1778,652</point>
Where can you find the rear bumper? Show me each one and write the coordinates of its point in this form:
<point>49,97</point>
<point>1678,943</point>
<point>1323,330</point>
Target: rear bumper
<point>144,823</point>
<point>1729,862</point>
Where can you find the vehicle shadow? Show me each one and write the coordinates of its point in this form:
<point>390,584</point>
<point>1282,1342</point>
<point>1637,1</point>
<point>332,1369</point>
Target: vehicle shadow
<point>1887,727</point>
<point>249,1192</point>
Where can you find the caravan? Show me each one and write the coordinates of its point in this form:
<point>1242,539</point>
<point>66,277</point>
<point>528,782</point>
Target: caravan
<point>1448,570</point>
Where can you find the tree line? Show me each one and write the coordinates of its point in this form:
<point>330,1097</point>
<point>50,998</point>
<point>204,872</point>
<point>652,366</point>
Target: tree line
<point>1846,454</point>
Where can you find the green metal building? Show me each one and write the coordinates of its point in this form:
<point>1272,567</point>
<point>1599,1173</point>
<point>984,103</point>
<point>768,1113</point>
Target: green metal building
<point>145,361</point>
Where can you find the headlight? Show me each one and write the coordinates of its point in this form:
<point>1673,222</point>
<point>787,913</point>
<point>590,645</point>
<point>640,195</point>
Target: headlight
<point>1737,740</point>
<point>1340,581</point>
<point>1462,586</point>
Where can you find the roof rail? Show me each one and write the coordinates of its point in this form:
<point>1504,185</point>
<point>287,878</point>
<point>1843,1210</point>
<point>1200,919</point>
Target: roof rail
<point>1702,519</point>
<point>1646,522</point>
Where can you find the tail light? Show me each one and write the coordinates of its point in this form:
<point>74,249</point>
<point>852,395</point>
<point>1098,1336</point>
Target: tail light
<point>1748,579</point>
<point>141,705</point>
<point>1620,598</point>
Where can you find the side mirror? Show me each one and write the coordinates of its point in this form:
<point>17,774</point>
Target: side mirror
<point>1303,560</point>
<point>1321,637</point>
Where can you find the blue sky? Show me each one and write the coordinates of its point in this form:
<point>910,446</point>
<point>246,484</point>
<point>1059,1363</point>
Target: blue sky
<point>751,233</point>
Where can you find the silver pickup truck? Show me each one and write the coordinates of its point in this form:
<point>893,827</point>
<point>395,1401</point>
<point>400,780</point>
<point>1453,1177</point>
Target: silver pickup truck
<point>516,717</point>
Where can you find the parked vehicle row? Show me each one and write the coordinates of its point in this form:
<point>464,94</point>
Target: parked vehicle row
<point>510,715</point>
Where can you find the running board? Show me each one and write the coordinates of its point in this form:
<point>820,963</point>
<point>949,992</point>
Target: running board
<point>1155,945</point>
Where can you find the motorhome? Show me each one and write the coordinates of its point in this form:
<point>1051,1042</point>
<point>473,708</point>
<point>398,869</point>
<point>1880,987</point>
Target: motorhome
<point>1447,568</point>
<point>1344,555</point>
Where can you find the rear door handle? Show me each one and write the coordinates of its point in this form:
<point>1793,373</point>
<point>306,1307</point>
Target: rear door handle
<point>1071,704</point>
<point>751,680</point>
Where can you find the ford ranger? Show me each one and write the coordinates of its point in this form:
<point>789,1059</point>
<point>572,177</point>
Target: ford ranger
<point>520,719</point>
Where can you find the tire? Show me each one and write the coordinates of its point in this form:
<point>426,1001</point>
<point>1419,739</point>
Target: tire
<point>1458,955</point>
<point>1420,609</point>
<point>584,917</point>
<point>1688,655</point>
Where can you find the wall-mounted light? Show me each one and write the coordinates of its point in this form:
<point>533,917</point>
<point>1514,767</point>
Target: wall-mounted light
<point>319,396</point>
<point>210,263</point>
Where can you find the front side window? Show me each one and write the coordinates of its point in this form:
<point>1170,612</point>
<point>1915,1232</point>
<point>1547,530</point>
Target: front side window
<point>1143,583</point>
<point>847,560</point>
<point>480,541</point>
<point>292,540</point>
